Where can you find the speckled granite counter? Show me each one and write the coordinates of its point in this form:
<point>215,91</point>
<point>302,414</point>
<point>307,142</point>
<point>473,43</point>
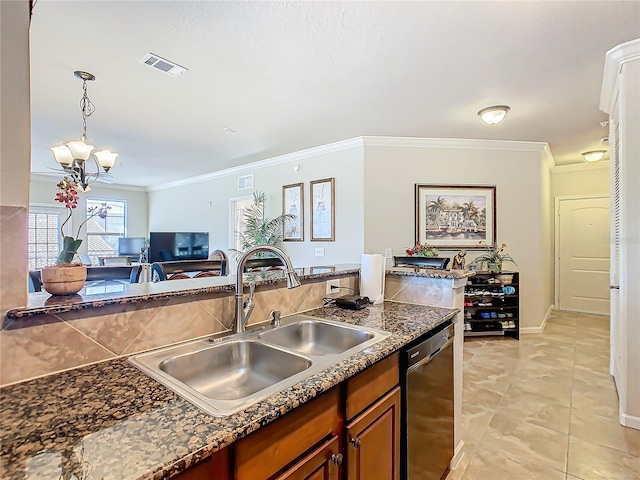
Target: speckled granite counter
<point>110,421</point>
<point>92,297</point>
<point>429,272</point>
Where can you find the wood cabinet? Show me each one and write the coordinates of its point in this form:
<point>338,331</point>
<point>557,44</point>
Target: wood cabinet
<point>492,305</point>
<point>312,441</point>
<point>322,463</point>
<point>373,441</point>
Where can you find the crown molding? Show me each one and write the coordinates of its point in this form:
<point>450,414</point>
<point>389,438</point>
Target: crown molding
<point>576,167</point>
<point>249,167</point>
<point>46,177</point>
<point>614,61</point>
<point>476,144</point>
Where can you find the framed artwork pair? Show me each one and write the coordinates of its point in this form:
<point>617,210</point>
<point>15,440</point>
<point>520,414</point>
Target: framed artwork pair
<point>322,211</point>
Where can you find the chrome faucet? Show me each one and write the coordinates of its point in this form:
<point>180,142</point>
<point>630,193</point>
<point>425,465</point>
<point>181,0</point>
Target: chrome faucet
<point>243,309</point>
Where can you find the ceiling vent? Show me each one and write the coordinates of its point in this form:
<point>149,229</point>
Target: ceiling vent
<point>163,64</point>
<point>245,182</point>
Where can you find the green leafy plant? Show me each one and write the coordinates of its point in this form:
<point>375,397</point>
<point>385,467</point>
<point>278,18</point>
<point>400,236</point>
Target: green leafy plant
<point>259,230</point>
<point>494,255</point>
<point>67,193</point>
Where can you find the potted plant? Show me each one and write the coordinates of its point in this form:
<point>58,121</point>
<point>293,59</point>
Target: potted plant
<point>494,257</point>
<point>259,230</point>
<point>67,277</point>
<point>421,250</point>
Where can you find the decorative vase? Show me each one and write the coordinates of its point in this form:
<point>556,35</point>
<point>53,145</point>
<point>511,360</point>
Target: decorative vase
<point>67,280</point>
<point>494,267</point>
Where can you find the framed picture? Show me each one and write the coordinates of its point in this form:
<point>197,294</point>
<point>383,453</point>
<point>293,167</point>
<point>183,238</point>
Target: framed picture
<point>293,204</point>
<point>456,216</point>
<point>322,210</point>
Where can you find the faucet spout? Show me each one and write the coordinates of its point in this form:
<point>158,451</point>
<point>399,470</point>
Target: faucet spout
<point>243,309</point>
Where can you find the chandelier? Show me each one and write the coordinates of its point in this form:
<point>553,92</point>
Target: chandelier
<point>73,155</point>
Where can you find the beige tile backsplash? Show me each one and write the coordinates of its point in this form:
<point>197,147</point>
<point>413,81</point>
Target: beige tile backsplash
<point>72,339</point>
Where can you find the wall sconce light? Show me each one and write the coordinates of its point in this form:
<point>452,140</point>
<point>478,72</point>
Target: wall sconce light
<point>493,115</point>
<point>594,155</point>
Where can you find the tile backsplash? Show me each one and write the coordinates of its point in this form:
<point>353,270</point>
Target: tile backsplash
<point>46,344</point>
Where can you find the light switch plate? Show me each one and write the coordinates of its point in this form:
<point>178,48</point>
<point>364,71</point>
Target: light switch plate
<point>319,252</point>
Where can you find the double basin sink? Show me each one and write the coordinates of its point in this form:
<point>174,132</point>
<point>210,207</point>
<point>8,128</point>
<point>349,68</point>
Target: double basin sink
<point>223,376</point>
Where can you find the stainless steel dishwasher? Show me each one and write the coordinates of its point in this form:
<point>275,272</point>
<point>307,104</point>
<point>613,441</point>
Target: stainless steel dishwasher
<point>427,414</point>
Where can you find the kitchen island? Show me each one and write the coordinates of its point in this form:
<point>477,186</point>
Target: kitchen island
<point>110,421</point>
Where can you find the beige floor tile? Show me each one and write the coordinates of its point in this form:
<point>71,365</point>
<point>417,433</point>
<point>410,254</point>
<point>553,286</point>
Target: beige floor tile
<point>594,462</point>
<point>513,437</point>
<point>486,465</point>
<point>475,421</point>
<point>600,425</point>
<point>536,409</point>
<point>490,377</point>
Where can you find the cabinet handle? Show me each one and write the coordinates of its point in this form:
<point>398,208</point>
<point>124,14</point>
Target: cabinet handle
<point>355,442</point>
<point>336,458</point>
<point>614,287</point>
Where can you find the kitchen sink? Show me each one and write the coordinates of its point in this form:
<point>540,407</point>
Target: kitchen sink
<point>233,370</point>
<point>228,374</point>
<point>316,337</point>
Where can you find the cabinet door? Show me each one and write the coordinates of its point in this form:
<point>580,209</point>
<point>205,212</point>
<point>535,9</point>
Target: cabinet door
<point>373,441</point>
<point>322,463</point>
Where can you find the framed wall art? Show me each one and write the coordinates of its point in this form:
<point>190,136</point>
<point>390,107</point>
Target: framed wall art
<point>455,216</point>
<point>293,204</point>
<point>323,210</point>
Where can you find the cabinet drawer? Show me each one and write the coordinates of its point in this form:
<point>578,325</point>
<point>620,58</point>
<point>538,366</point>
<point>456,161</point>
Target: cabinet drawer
<point>267,451</point>
<point>366,387</point>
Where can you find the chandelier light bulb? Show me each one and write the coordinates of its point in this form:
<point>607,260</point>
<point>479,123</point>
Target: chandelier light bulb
<point>494,114</point>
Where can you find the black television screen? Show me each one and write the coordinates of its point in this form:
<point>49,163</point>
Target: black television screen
<point>171,246</point>
<point>131,246</point>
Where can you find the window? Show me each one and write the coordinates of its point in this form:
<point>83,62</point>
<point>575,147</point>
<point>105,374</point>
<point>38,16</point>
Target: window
<point>103,233</point>
<point>44,238</point>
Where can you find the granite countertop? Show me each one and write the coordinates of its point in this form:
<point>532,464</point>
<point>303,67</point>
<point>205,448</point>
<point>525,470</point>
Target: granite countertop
<point>111,421</point>
<point>430,272</point>
<point>99,294</point>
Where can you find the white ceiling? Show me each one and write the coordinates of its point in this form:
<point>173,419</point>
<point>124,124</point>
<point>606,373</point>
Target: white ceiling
<point>292,75</point>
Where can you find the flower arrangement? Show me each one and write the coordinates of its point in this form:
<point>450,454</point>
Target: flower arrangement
<point>67,194</point>
<point>421,250</point>
<point>494,256</point>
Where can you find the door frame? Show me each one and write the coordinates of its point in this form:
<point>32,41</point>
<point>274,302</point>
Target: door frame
<point>556,234</point>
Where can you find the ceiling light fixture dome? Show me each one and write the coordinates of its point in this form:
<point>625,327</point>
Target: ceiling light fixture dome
<point>594,155</point>
<point>73,155</point>
<point>494,114</point>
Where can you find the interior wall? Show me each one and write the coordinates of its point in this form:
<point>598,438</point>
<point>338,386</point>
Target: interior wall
<point>15,152</point>
<point>43,193</point>
<point>204,206</point>
<point>391,172</point>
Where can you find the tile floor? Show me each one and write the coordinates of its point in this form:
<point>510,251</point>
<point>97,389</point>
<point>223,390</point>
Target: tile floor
<point>545,407</point>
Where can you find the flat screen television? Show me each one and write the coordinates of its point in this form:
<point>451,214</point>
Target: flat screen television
<point>130,246</point>
<point>172,246</point>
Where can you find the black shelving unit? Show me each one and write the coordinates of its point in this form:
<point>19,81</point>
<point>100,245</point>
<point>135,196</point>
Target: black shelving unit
<point>489,307</point>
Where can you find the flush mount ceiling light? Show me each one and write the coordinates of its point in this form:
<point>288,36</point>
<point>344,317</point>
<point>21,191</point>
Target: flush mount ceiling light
<point>493,115</point>
<point>594,155</point>
<point>73,155</point>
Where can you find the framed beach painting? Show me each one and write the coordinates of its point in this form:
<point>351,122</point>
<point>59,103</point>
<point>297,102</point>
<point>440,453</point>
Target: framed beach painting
<point>455,216</point>
<point>293,204</point>
<point>323,210</point>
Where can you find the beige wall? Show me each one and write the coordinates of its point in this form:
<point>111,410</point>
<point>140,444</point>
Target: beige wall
<point>521,182</point>
<point>14,152</point>
<point>43,192</point>
<point>204,206</point>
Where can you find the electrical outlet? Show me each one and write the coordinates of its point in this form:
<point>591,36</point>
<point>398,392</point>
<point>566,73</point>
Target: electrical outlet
<point>388,253</point>
<point>320,252</point>
<point>333,283</point>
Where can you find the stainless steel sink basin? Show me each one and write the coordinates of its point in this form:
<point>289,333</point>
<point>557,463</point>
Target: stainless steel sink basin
<point>225,375</point>
<point>316,337</point>
<point>233,370</point>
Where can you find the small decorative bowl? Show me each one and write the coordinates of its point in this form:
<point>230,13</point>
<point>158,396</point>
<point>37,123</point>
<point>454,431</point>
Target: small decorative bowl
<point>505,279</point>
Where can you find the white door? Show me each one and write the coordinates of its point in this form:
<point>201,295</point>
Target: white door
<point>583,254</point>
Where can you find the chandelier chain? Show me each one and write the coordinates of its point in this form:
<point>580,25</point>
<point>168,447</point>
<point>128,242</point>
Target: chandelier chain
<point>86,107</point>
